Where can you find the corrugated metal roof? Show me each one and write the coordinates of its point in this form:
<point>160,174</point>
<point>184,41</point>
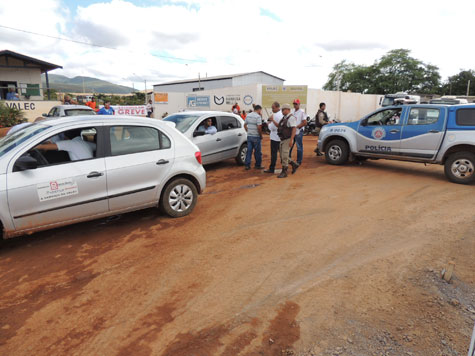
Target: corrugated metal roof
<point>218,77</point>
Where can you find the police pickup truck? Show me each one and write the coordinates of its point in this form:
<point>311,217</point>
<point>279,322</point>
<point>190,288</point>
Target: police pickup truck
<point>440,134</point>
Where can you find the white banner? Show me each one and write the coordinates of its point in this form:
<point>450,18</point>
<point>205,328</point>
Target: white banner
<point>134,110</point>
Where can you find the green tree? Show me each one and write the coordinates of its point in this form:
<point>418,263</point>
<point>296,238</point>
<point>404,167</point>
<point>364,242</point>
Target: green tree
<point>457,84</point>
<point>395,71</point>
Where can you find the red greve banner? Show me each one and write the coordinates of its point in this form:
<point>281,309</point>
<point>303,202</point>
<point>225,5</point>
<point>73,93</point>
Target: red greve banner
<point>135,110</point>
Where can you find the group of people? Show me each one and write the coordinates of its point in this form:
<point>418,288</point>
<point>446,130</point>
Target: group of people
<point>286,131</point>
<point>106,109</point>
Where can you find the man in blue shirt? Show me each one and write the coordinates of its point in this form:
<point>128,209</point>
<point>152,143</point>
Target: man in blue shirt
<point>11,94</point>
<point>106,110</point>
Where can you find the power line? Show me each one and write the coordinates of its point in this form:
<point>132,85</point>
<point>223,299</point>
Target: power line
<point>93,44</point>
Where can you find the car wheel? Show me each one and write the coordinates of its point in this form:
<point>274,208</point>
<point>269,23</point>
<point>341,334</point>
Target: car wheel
<point>460,167</point>
<point>179,198</point>
<point>336,152</point>
<point>241,157</point>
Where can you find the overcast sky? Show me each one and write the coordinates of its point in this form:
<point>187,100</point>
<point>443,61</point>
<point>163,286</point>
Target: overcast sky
<point>300,41</point>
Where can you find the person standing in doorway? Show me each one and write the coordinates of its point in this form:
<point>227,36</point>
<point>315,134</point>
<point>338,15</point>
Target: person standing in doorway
<point>321,119</point>
<point>286,129</point>
<point>253,126</point>
<point>274,136</point>
<point>301,118</point>
<point>107,109</point>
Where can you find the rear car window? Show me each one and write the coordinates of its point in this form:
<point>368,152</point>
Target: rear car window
<point>465,117</point>
<point>77,112</point>
<point>229,123</point>
<point>133,139</point>
<point>423,116</point>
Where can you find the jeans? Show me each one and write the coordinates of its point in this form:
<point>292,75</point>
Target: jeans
<point>299,143</point>
<point>274,148</point>
<point>253,144</point>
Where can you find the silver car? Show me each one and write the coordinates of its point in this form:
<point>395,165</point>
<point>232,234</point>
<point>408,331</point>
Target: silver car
<point>69,110</point>
<point>66,170</point>
<point>230,140</point>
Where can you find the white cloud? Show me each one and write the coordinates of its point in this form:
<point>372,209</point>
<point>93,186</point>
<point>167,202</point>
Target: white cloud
<point>236,37</point>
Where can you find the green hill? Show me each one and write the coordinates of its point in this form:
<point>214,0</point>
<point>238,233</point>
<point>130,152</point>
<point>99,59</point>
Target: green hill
<point>62,83</point>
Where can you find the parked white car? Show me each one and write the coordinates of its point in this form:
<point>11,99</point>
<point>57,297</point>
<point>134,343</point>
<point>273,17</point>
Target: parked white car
<point>66,170</point>
<point>229,141</point>
<point>69,110</point>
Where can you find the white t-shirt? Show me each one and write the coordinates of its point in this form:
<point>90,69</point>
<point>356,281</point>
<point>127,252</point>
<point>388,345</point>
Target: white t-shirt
<point>273,129</point>
<point>300,115</point>
<point>77,148</point>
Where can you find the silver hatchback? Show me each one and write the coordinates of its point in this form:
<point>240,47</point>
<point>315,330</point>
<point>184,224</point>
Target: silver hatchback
<point>66,170</point>
<point>227,140</point>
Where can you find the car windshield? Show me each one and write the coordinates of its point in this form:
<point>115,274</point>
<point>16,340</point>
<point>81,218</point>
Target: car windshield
<point>76,112</point>
<point>183,121</point>
<point>9,142</point>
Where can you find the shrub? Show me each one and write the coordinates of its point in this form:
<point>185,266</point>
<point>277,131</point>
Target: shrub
<point>10,116</point>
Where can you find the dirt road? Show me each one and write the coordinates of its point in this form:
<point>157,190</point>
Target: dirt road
<point>330,261</point>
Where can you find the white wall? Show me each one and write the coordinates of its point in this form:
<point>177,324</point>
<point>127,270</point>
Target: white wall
<point>188,87</point>
<point>32,109</point>
<point>341,105</point>
<point>22,76</point>
<point>177,101</point>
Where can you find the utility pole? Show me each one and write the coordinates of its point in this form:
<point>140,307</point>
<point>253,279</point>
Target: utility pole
<point>199,82</point>
<point>468,88</point>
<point>145,91</point>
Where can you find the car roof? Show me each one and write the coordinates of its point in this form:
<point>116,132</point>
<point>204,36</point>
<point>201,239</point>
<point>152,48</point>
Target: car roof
<point>74,107</point>
<point>203,113</point>
<point>95,118</point>
<point>468,105</point>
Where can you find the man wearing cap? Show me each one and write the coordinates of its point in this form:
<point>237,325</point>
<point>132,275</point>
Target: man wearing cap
<point>274,136</point>
<point>301,118</point>
<point>286,129</point>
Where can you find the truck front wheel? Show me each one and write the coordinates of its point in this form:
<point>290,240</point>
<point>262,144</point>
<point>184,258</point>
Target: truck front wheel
<point>460,167</point>
<point>336,152</point>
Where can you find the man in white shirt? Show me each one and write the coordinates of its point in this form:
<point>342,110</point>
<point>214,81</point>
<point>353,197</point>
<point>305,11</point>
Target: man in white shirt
<point>274,136</point>
<point>301,118</point>
<point>77,148</point>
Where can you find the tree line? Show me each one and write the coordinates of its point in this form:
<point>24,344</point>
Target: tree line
<point>394,72</point>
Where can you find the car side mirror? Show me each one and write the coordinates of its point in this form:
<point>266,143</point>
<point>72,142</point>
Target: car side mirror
<point>44,115</point>
<point>25,163</point>
<point>364,122</point>
<point>199,133</point>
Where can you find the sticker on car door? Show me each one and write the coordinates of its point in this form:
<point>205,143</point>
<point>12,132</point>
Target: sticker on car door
<point>56,189</point>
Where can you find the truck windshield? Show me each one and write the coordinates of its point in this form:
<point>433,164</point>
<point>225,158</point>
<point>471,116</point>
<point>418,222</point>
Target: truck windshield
<point>9,142</point>
<point>183,121</point>
<point>388,102</point>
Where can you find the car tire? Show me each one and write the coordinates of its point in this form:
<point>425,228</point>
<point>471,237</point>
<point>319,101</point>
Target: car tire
<point>336,152</point>
<point>178,198</point>
<point>460,167</point>
<point>241,157</point>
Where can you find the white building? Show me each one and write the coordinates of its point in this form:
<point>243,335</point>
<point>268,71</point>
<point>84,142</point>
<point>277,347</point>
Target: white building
<point>23,75</point>
<point>218,82</point>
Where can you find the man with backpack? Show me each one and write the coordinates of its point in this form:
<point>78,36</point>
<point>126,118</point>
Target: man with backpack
<point>286,129</point>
